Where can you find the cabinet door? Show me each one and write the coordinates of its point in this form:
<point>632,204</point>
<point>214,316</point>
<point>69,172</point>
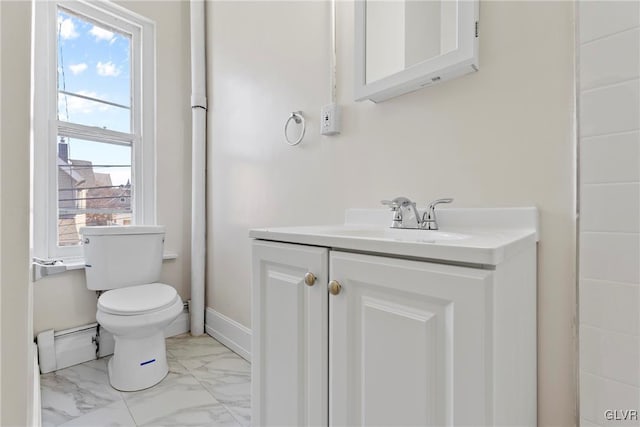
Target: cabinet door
<point>289,343</point>
<point>409,343</point>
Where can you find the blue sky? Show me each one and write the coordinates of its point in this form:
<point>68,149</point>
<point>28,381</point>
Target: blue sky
<point>94,61</point>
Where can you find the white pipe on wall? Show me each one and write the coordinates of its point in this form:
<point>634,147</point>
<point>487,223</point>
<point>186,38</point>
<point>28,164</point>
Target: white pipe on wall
<point>198,164</point>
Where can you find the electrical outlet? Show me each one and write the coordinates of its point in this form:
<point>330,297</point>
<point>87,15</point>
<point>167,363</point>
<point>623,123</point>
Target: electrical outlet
<point>330,119</point>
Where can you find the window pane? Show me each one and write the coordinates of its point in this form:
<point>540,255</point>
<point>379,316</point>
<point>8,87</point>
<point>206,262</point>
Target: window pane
<point>94,72</point>
<point>94,186</point>
<point>80,109</point>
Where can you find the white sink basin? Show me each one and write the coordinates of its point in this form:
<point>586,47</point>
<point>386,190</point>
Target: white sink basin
<point>477,236</point>
<point>399,234</point>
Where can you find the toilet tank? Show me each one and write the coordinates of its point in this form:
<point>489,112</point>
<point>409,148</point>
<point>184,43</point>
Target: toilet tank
<point>119,256</point>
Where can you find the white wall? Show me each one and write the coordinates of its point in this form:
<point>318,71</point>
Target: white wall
<point>62,301</point>
<point>15,325</point>
<point>609,287</point>
<point>502,136</point>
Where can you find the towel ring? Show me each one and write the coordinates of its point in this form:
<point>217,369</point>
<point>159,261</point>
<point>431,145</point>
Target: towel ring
<point>298,118</point>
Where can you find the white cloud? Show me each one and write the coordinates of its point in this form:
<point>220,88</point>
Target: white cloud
<point>77,105</point>
<point>78,68</point>
<point>101,34</point>
<point>67,29</point>
<point>107,69</point>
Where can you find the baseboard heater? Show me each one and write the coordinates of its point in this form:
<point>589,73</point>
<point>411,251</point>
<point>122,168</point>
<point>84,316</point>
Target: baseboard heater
<point>61,349</point>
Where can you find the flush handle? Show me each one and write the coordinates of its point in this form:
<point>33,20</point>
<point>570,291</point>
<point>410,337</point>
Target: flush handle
<point>309,279</point>
<point>334,287</point>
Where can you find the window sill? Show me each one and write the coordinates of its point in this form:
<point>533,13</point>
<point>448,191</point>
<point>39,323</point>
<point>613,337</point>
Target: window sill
<point>40,270</point>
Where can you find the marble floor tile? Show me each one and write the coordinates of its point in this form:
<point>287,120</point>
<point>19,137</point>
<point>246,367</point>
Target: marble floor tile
<point>222,361</point>
<point>75,391</point>
<point>175,395</point>
<point>113,415</point>
<point>233,390</point>
<point>99,364</point>
<point>176,367</point>
<point>228,378</point>
<point>205,415</point>
<point>186,346</point>
<point>241,412</point>
<point>200,370</point>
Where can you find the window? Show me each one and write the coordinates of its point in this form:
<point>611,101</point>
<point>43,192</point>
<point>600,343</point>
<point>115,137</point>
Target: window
<point>94,130</point>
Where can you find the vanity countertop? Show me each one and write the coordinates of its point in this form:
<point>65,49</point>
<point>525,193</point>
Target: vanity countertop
<point>480,236</point>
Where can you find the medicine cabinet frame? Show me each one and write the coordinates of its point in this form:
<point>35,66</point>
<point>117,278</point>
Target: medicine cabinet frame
<point>447,66</point>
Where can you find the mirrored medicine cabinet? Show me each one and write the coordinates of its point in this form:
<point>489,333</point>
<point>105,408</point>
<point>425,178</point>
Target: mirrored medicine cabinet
<point>405,45</point>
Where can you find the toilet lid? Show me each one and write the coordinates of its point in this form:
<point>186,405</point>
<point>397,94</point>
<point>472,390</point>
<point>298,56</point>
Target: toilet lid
<point>138,299</point>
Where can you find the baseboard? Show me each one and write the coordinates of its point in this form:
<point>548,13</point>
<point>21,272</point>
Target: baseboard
<point>232,334</point>
<point>58,350</point>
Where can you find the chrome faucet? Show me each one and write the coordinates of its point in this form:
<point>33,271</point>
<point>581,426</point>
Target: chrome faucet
<point>400,206</point>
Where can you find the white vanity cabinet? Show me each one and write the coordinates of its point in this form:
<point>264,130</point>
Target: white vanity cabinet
<point>407,342</point>
<point>289,340</point>
<point>403,342</point>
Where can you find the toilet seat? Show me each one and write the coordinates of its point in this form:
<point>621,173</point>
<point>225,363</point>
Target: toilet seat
<point>137,300</point>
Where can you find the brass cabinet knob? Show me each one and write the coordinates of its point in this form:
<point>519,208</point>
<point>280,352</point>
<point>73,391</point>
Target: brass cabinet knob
<point>334,287</point>
<point>309,279</point>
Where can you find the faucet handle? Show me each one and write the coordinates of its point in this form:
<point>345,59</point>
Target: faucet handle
<point>393,205</point>
<point>398,202</point>
<point>437,202</point>
<point>429,217</point>
<point>397,211</point>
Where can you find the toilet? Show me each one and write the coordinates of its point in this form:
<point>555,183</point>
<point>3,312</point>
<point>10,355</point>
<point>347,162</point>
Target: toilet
<point>125,263</point>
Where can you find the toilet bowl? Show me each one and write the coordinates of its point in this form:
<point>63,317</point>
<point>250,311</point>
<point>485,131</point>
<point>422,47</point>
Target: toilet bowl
<point>137,316</point>
<point>124,262</point>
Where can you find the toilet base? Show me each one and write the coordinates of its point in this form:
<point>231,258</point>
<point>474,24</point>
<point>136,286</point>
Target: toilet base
<point>138,362</point>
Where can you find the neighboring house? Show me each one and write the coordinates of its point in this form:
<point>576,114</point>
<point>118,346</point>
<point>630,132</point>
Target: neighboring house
<point>69,182</point>
<point>87,197</point>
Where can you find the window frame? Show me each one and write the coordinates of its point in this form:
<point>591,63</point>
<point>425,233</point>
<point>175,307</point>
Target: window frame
<point>46,126</point>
